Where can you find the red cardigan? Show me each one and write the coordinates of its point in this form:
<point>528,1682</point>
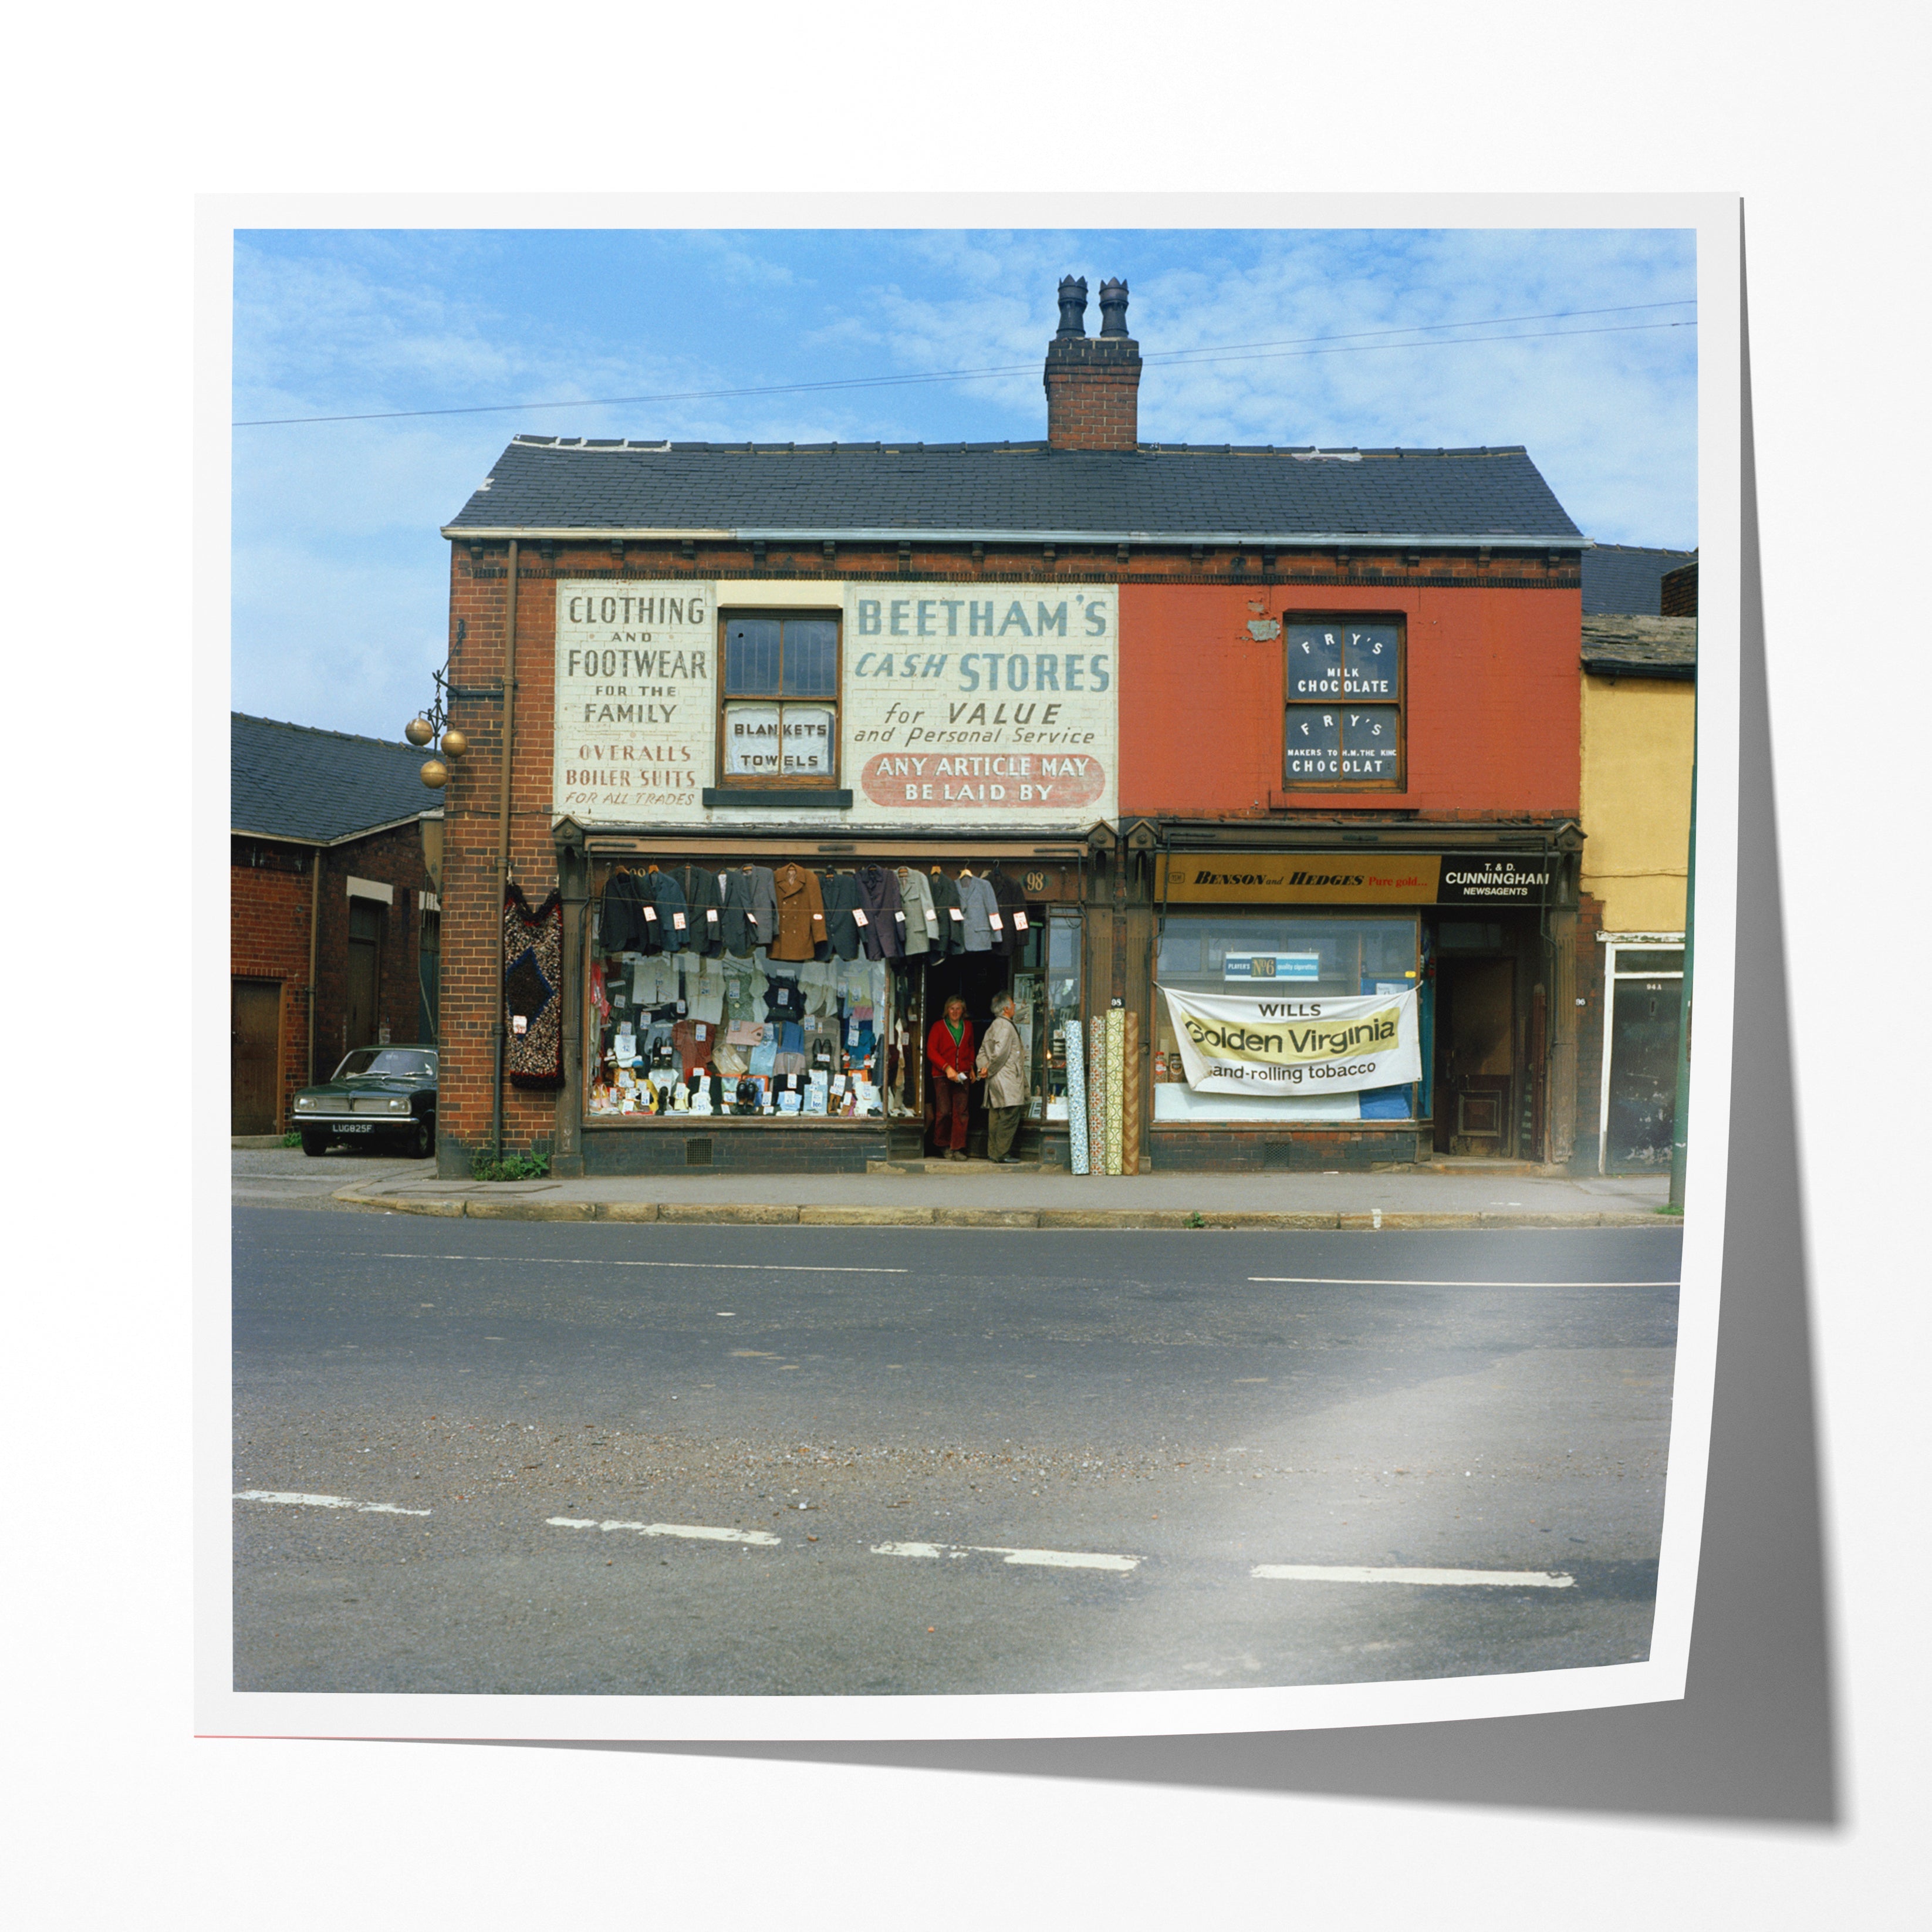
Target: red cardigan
<point>945,1055</point>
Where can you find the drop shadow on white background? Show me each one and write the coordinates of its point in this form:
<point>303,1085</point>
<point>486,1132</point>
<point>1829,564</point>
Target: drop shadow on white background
<point>1756,1736</point>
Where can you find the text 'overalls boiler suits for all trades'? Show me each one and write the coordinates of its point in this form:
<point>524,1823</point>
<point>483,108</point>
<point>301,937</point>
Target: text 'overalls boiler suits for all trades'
<point>1002,1062</point>
<point>946,1057</point>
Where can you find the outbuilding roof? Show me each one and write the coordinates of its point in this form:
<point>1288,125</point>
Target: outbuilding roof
<point>1660,647</point>
<point>557,486</point>
<point>294,782</point>
<point>1624,579</point>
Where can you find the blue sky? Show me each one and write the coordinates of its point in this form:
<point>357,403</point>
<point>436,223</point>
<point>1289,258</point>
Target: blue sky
<point>339,577</point>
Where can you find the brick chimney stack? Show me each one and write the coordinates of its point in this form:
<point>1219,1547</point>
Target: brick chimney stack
<point>1093,386</point>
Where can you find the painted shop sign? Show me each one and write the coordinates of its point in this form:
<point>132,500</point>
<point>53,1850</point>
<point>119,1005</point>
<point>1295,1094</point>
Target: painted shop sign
<point>1230,1044</point>
<point>958,706</point>
<point>1355,878</point>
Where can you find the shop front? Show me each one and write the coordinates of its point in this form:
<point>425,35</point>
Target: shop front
<point>1327,1010</point>
<point>768,1006</point>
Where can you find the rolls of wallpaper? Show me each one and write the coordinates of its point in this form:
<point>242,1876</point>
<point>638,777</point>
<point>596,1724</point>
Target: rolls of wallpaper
<point>1096,1092</point>
<point>1130,1095</point>
<point>1076,1099</point>
<point>1117,1039</point>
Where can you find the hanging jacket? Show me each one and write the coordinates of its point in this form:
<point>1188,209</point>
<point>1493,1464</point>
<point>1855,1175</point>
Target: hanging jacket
<point>621,925</point>
<point>884,933</point>
<point>946,904</point>
<point>764,904</point>
<point>840,892</point>
<point>734,919</point>
<point>921,931</point>
<point>667,935</point>
<point>1011,937</point>
<point>977,902</point>
<point>704,908</point>
<point>801,914</point>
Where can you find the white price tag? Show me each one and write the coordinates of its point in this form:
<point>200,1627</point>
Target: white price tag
<point>711,914</point>
<point>931,921</point>
<point>677,920</point>
<point>998,924</point>
<point>651,914</point>
<point>1019,922</point>
<point>956,912</point>
<point>859,918</point>
<point>700,1030</point>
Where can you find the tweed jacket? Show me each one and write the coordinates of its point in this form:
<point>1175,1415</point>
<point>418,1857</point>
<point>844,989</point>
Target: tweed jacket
<point>750,914</point>
<point>977,902</point>
<point>704,930</point>
<point>916,901</point>
<point>667,897</point>
<point>801,914</point>
<point>884,933</point>
<point>945,902</point>
<point>840,894</point>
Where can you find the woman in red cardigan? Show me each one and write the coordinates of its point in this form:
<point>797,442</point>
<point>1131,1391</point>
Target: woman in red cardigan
<point>949,1053</point>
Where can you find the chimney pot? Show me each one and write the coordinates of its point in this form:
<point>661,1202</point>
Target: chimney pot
<point>1072,307</point>
<point>1093,386</point>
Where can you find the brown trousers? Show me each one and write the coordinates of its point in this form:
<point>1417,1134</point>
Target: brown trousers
<point>949,1113</point>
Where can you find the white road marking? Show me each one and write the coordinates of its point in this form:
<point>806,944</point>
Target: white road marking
<point>701,1532</point>
<point>324,1502</point>
<point>589,1260</point>
<point>1352,1573</point>
<point>1052,1559</point>
<point>1362,1281</point>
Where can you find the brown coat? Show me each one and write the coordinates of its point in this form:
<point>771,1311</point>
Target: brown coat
<point>801,914</point>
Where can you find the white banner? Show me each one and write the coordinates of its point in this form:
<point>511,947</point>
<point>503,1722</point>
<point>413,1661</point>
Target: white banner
<point>1243,1045</point>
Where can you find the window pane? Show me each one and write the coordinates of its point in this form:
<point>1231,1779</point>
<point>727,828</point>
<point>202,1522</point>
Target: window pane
<point>810,658</point>
<point>1314,741</point>
<point>808,741</point>
<point>1373,661</point>
<point>750,656</point>
<point>1663,959</point>
<point>1314,660</point>
<point>750,740</point>
<point>1215,952</point>
<point>1371,742</point>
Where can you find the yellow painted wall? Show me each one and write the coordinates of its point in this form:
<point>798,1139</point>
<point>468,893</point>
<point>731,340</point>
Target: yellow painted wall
<point>1638,737</point>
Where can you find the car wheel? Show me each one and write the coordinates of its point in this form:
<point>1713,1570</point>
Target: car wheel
<point>422,1140</point>
<point>313,1142</point>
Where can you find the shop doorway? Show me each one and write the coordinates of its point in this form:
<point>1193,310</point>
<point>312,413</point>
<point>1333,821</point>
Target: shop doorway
<point>254,1054</point>
<point>1645,981</point>
<point>976,978</point>
<point>1475,1057</point>
<point>366,920</point>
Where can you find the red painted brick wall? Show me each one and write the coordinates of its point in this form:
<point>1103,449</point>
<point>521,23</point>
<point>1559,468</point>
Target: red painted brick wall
<point>268,939</point>
<point>1492,709</point>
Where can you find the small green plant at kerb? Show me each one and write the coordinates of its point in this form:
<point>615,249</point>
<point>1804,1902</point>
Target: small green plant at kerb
<point>1196,1219</point>
<point>1669,1207</point>
<point>291,1139</point>
<point>512,1167</point>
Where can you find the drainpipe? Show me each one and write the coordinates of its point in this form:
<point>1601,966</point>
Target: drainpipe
<point>314,939</point>
<point>1680,1126</point>
<point>503,845</point>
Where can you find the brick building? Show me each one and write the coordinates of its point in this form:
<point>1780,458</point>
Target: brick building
<point>332,856</point>
<point>1137,716</point>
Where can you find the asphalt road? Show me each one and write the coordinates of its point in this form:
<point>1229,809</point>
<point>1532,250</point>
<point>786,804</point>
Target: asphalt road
<point>971,1461</point>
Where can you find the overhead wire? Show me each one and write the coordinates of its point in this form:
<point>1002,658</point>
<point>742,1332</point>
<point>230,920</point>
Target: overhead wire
<point>1354,342</point>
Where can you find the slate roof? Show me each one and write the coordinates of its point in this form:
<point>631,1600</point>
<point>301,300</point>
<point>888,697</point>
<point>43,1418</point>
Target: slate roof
<point>553,486</point>
<point>1621,579</point>
<point>1659,647</point>
<point>294,781</point>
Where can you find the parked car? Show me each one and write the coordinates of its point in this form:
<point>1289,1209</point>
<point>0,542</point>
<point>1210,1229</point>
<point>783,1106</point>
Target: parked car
<point>379,1093</point>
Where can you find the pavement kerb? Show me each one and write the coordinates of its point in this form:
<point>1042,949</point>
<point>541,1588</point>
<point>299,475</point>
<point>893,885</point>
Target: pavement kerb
<point>525,1208</point>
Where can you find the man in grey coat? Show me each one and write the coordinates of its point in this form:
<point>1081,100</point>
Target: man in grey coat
<point>1002,1065</point>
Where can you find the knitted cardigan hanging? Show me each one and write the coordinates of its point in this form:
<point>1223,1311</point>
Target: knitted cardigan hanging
<point>532,989</point>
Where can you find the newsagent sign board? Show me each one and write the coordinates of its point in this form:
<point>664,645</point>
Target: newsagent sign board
<point>1356,878</point>
<point>899,704</point>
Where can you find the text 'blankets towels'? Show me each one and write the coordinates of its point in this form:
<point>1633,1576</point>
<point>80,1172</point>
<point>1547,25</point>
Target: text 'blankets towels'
<point>532,1005</point>
<point>1289,1045</point>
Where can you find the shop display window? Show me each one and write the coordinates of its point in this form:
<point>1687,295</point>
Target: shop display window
<point>1341,955</point>
<point>1059,996</point>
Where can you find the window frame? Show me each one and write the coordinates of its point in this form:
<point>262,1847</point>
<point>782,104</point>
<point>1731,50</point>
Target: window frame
<point>781,780</point>
<point>1399,621</point>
